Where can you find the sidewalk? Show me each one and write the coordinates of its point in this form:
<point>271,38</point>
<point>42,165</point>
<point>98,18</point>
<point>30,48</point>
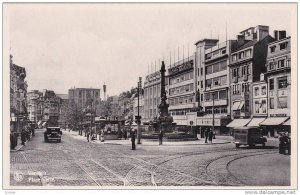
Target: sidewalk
<point>218,140</point>
<point>18,147</point>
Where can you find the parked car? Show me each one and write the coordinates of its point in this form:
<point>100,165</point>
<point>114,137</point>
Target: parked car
<point>248,136</point>
<point>53,134</point>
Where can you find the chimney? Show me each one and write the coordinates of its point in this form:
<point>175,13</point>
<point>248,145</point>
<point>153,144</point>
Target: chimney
<point>240,40</point>
<point>262,32</point>
<point>279,34</point>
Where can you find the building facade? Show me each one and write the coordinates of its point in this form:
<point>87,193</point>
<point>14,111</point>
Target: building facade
<point>247,63</point>
<point>35,106</point>
<point>181,93</point>
<point>216,93</point>
<point>85,97</point>
<point>151,96</point>
<point>18,93</point>
<point>278,76</point>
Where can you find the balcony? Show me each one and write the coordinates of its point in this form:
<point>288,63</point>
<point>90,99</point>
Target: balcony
<point>216,103</point>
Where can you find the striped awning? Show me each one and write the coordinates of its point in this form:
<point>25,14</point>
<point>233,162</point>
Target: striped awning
<point>255,122</point>
<point>274,121</point>
<point>239,122</point>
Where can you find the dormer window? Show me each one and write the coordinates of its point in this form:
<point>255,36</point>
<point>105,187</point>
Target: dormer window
<point>272,49</point>
<point>283,45</point>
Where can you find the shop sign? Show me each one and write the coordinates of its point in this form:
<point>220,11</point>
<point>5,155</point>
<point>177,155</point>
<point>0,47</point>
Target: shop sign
<point>277,115</point>
<point>181,67</point>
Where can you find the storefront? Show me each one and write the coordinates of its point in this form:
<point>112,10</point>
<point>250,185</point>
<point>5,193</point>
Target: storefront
<point>219,124</point>
<point>274,125</point>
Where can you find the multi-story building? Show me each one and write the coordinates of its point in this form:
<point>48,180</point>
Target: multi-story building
<point>152,95</point>
<point>215,89</point>
<point>63,109</point>
<point>278,76</point>
<point>85,97</point>
<point>51,105</point>
<point>18,92</point>
<point>247,63</point>
<point>259,102</point>
<point>181,96</point>
<point>35,105</point>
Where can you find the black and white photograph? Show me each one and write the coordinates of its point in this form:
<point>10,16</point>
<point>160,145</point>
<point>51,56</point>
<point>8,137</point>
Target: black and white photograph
<point>150,96</point>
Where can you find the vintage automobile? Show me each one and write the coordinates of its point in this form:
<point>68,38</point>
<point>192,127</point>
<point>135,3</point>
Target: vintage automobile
<point>53,134</point>
<point>248,136</point>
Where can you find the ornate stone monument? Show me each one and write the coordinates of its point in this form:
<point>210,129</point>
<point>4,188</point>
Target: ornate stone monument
<point>164,121</point>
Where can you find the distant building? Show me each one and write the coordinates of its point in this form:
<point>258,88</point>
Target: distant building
<point>51,107</point>
<point>63,109</point>
<point>278,76</point>
<point>247,63</point>
<point>85,97</point>
<point>35,106</point>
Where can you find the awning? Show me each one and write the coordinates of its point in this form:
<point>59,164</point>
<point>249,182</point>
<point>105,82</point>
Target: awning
<point>241,105</point>
<point>274,121</point>
<point>287,123</point>
<point>236,106</point>
<point>255,122</point>
<point>238,123</point>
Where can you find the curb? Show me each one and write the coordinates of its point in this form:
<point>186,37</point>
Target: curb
<point>172,144</point>
<point>18,148</point>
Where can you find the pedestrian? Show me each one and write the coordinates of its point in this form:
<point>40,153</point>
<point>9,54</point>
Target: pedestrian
<point>88,136</point>
<point>27,133</point>
<point>210,136</point>
<point>23,136</point>
<point>102,135</point>
<point>206,134</point>
<point>125,134</point>
<point>160,137</point>
<point>133,140</point>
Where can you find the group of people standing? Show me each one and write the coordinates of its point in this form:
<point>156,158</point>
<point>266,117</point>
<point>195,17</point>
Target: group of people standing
<point>209,134</point>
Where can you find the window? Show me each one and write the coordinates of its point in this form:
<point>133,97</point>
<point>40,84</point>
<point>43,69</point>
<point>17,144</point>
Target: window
<point>208,70</point>
<point>283,46</point>
<point>257,107</point>
<point>238,72</point>
<point>224,51</point>
<point>234,73</point>
<point>263,90</point>
<point>222,95</point>
<point>234,57</point>
<point>248,53</point>
<point>256,91</point>
<point>264,106</point>
<point>223,65</point>
<point>288,63</point>
<point>271,84</point>
<point>272,49</point>
<point>201,97</point>
<point>216,68</point>
<point>208,56</point>
<point>271,103</point>
<point>282,82</point>
<point>241,55</point>
<point>282,102</point>
<point>271,66</point>
<point>216,82</point>
<point>198,72</point>
<point>280,63</point>
<point>207,96</point>
<point>201,84</point>
<point>223,80</point>
<point>208,82</point>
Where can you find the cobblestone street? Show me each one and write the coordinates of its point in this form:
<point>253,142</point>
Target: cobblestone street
<point>75,162</point>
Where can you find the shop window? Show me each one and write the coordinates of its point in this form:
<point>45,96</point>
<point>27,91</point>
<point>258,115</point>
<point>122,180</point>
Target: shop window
<point>282,102</point>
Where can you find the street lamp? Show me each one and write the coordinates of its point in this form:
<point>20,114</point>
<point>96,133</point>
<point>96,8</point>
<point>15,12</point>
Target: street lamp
<point>139,117</point>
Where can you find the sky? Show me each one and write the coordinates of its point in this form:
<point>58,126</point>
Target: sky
<point>86,45</point>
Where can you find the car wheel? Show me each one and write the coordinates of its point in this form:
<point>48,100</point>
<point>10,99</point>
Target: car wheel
<point>237,145</point>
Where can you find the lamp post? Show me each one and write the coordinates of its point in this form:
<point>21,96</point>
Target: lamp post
<point>138,117</point>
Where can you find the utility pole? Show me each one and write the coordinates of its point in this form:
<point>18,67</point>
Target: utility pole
<point>138,116</point>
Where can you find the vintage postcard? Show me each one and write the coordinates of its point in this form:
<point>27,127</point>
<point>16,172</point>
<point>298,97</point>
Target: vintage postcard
<point>150,96</point>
